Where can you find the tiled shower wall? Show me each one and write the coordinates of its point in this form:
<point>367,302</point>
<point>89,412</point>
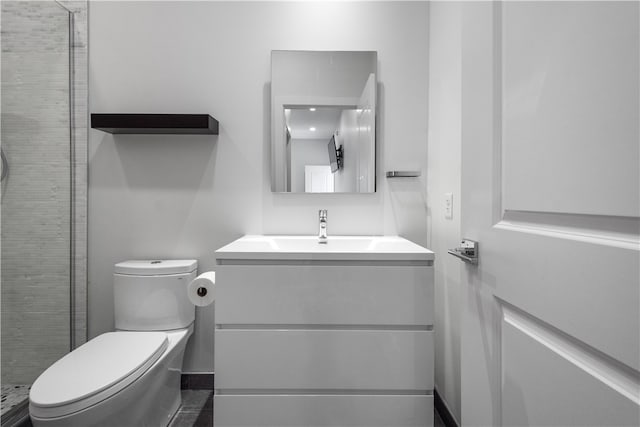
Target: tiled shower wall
<point>43,143</point>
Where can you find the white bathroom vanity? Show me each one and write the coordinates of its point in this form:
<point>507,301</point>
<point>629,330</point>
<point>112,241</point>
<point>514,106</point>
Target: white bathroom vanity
<point>335,334</point>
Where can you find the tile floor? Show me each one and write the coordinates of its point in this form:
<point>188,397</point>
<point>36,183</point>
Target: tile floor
<point>197,410</point>
<point>13,395</point>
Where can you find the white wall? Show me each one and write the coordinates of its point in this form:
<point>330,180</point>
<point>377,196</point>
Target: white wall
<point>185,196</point>
<point>443,176</point>
<point>306,152</point>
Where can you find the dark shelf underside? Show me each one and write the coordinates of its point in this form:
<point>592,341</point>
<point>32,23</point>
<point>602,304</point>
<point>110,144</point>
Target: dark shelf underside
<point>174,124</point>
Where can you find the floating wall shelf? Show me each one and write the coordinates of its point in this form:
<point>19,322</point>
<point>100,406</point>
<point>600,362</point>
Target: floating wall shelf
<point>174,124</point>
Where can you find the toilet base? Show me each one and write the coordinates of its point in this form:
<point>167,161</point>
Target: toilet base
<point>151,400</point>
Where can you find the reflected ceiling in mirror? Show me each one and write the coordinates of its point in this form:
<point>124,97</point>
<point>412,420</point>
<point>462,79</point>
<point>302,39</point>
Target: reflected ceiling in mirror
<point>312,122</point>
<point>323,122</point>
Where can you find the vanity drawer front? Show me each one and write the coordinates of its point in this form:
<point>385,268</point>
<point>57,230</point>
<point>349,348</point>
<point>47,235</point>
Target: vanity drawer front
<point>324,360</point>
<point>323,410</point>
<point>335,295</point>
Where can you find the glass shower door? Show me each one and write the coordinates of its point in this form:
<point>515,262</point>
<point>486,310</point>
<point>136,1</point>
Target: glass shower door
<point>36,193</point>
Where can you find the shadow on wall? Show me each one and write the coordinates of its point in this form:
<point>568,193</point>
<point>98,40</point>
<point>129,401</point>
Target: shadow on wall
<point>164,162</point>
<point>409,207</point>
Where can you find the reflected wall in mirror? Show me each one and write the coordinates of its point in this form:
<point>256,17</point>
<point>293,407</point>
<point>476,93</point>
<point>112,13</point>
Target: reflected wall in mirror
<point>323,108</point>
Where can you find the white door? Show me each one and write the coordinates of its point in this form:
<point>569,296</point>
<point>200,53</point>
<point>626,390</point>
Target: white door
<point>550,183</point>
<point>318,179</point>
<point>366,118</point>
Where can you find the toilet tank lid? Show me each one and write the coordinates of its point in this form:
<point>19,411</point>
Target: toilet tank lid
<point>156,267</point>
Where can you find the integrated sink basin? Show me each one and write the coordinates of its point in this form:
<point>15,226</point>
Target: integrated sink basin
<point>348,248</point>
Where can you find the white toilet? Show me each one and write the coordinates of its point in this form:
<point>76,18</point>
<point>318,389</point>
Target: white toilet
<point>130,377</point>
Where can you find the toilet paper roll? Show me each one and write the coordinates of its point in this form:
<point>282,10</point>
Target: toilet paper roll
<point>201,290</point>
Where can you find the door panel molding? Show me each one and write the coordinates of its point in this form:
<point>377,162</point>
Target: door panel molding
<point>616,231</point>
<point>621,378</point>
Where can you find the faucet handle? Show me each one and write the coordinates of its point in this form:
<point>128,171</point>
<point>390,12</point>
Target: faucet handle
<point>322,213</point>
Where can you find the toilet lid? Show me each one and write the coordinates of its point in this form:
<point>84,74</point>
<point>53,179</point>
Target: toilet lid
<point>113,359</point>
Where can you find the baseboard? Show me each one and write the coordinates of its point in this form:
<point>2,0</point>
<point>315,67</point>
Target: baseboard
<point>445,415</point>
<point>196,382</point>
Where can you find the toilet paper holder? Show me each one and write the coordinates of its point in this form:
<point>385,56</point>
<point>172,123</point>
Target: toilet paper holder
<point>201,290</point>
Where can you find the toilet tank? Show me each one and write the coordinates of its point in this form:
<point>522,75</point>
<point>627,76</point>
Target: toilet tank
<point>152,295</point>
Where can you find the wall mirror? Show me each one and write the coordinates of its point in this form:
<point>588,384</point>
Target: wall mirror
<point>323,121</point>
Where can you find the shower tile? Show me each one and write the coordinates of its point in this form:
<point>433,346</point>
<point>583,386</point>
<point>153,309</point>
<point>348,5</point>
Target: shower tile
<point>36,202</point>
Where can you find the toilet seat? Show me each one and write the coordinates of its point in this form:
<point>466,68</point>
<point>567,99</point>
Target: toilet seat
<point>95,371</point>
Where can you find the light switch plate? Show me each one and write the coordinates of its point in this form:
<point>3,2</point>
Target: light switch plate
<point>448,205</point>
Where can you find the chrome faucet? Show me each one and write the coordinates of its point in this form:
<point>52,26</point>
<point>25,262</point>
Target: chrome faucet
<point>322,231</point>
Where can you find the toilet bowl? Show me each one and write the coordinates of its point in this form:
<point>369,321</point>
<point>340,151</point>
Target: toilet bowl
<point>130,377</point>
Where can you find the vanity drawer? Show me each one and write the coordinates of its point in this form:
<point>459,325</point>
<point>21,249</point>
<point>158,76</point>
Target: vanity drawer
<point>323,410</point>
<point>320,294</point>
<point>378,360</point>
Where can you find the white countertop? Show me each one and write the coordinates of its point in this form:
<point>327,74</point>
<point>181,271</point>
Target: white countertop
<point>337,248</point>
